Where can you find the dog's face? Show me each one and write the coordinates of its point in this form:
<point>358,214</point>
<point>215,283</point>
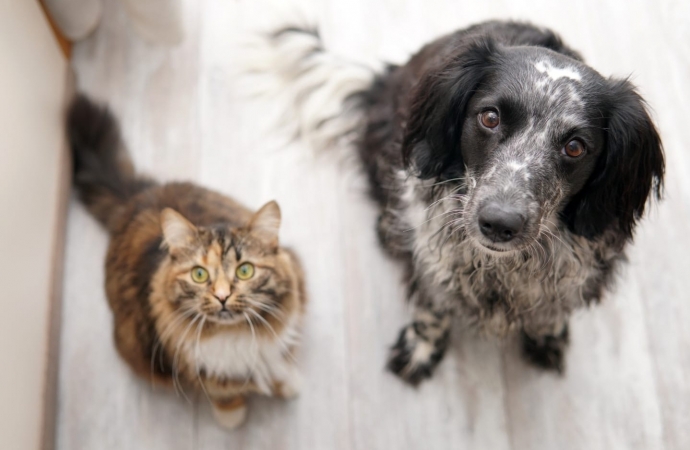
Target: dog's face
<point>530,139</point>
<point>538,137</point>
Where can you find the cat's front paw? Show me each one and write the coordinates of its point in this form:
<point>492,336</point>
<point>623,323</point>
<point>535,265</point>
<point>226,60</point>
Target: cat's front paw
<point>413,357</point>
<point>230,413</point>
<point>288,388</point>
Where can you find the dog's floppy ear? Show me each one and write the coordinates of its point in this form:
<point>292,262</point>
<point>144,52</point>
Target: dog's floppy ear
<point>628,171</point>
<point>431,140</point>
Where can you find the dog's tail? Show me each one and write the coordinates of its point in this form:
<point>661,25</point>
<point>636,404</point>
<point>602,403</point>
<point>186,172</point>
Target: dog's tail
<point>103,172</point>
<point>323,94</point>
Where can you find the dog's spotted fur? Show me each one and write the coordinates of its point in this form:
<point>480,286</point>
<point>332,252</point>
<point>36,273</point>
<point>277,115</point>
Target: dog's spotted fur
<point>431,165</point>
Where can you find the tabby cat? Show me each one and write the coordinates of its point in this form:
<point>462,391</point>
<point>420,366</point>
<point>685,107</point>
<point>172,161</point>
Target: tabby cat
<point>202,294</point>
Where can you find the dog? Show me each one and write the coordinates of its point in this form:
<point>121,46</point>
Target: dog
<point>510,176</point>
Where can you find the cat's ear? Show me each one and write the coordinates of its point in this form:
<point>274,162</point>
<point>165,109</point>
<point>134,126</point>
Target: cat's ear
<point>266,223</point>
<point>178,232</point>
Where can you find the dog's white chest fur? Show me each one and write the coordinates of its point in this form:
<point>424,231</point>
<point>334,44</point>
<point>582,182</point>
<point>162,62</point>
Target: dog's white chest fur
<point>241,356</point>
<point>455,270</point>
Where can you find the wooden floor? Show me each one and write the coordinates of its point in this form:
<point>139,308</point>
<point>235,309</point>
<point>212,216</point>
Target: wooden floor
<point>184,116</point>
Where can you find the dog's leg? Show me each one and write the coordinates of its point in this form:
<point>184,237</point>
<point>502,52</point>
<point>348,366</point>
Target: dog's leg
<point>421,344</point>
<point>546,348</point>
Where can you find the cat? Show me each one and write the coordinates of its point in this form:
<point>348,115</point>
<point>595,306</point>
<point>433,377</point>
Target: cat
<point>202,294</point>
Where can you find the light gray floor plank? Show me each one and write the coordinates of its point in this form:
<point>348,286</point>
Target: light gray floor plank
<point>185,117</point>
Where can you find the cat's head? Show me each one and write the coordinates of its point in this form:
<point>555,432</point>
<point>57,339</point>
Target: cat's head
<point>227,275</point>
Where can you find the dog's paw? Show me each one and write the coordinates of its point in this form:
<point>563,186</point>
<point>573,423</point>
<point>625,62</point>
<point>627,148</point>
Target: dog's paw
<point>414,358</point>
<point>231,413</point>
<point>546,352</point>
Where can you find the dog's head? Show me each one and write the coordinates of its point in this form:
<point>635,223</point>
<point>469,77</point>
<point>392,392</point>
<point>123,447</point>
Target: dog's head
<point>537,136</point>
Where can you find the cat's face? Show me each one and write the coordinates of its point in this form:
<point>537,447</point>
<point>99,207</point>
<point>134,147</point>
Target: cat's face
<point>226,275</point>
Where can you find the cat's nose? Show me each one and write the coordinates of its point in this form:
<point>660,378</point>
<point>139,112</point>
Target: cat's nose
<point>221,290</point>
<point>222,296</point>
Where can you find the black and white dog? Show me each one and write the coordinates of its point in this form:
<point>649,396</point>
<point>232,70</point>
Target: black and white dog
<point>510,176</point>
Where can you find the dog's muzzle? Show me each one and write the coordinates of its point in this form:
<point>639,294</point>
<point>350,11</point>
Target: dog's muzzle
<point>500,221</point>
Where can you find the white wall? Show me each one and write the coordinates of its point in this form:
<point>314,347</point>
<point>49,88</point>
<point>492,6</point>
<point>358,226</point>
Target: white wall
<point>33,79</point>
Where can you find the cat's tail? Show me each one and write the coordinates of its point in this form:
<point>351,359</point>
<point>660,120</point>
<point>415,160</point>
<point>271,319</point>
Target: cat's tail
<point>322,95</point>
<point>103,172</point>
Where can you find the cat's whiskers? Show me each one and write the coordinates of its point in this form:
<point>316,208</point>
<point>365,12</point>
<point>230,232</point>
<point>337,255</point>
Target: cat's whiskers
<point>167,331</point>
<point>278,339</point>
<point>252,365</point>
<point>176,354</point>
<point>196,357</point>
<point>273,311</point>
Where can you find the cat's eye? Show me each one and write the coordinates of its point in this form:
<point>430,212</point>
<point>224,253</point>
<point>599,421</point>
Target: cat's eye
<point>199,274</point>
<point>245,271</point>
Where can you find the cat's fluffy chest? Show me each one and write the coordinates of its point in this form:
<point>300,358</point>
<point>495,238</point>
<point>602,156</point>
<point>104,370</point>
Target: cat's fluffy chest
<point>264,360</point>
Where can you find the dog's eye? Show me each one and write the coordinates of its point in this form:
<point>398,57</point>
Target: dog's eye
<point>489,118</point>
<point>574,148</point>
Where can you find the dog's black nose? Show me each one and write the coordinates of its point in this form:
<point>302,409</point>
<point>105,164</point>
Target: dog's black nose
<point>500,223</point>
